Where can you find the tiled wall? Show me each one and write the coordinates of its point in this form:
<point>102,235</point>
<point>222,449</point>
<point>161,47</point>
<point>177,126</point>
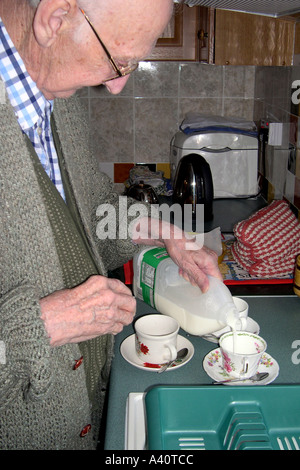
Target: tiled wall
<point>137,125</point>
<point>273,93</point>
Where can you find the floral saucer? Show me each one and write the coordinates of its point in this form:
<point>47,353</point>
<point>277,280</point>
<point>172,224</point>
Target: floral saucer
<point>213,366</point>
<point>127,349</point>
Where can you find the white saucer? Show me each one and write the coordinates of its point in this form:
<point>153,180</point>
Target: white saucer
<point>212,365</point>
<point>251,326</point>
<point>127,350</point>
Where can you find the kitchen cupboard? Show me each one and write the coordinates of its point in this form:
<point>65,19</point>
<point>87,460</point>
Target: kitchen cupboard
<point>248,39</point>
<point>225,37</point>
<point>180,39</point>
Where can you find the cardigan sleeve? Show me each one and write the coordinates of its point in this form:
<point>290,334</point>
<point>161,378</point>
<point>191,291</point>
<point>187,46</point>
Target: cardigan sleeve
<point>27,349</point>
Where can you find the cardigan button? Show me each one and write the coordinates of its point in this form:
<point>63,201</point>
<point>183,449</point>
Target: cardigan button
<point>78,363</point>
<point>85,430</point>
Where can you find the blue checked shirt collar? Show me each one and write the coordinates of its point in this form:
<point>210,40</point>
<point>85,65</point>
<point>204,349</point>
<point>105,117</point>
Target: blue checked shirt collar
<point>27,100</point>
<point>31,108</point>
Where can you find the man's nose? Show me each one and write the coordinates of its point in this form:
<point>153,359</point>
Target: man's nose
<point>116,86</point>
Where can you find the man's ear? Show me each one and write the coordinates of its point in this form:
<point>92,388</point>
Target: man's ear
<point>49,20</point>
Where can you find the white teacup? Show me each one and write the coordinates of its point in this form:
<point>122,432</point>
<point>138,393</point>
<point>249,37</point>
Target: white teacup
<point>156,338</point>
<point>241,353</point>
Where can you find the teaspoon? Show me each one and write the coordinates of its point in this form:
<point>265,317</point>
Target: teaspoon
<point>180,355</point>
<point>254,378</point>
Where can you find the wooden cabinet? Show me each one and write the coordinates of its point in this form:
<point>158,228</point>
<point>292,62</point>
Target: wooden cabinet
<point>248,39</point>
<point>180,39</point>
<point>225,37</point>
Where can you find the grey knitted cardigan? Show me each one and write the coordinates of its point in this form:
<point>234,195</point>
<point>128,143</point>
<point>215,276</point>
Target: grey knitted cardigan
<point>44,402</point>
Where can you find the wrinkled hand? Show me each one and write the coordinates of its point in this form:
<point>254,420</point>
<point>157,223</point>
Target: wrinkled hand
<point>195,261</point>
<point>194,264</point>
<point>98,306</point>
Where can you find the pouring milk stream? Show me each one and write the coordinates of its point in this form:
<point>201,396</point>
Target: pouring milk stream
<point>158,283</point>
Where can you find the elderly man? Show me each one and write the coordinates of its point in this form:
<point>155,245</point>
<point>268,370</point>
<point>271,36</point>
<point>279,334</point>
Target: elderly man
<point>58,310</point>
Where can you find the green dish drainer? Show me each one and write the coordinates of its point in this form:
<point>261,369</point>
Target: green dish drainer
<point>223,417</point>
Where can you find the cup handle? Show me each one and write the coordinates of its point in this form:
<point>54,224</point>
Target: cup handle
<point>245,367</point>
<point>173,352</point>
<point>243,321</point>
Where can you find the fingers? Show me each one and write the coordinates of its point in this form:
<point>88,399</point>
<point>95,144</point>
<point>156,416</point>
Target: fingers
<point>98,306</point>
<point>195,266</point>
<point>97,283</point>
<point>211,266</point>
<point>108,301</point>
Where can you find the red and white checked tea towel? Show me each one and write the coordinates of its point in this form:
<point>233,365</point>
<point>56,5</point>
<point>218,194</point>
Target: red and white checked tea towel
<point>268,242</point>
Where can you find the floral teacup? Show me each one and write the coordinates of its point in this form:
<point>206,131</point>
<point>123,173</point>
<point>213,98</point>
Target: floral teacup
<point>241,353</point>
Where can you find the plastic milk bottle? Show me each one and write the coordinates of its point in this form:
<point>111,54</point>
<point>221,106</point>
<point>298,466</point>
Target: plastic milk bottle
<point>158,283</point>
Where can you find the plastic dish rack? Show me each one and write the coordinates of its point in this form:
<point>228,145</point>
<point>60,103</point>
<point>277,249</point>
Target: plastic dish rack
<point>223,418</point>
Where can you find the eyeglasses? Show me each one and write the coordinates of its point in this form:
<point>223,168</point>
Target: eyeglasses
<point>119,71</point>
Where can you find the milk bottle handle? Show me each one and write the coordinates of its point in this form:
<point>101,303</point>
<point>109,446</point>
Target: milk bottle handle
<point>172,351</point>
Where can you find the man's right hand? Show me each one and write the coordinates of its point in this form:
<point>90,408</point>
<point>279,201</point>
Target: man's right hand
<point>98,306</point>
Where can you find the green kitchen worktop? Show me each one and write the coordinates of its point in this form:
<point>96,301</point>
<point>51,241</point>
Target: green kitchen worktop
<point>279,321</point>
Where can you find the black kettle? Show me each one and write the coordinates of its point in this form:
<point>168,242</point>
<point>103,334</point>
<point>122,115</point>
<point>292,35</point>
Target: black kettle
<point>193,184</point>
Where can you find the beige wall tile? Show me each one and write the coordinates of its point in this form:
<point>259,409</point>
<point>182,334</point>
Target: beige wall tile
<point>201,81</point>
<point>112,129</point>
<point>154,127</point>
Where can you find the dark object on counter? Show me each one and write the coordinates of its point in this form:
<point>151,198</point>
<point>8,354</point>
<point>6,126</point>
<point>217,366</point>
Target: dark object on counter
<point>193,184</point>
<point>297,277</point>
<point>143,192</point>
